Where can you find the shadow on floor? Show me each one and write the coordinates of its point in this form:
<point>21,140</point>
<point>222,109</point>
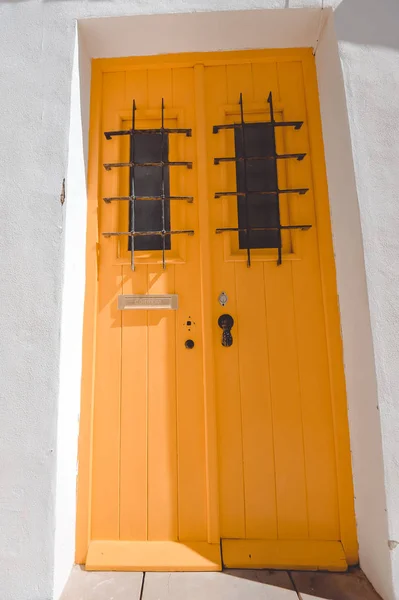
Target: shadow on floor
<point>320,585</point>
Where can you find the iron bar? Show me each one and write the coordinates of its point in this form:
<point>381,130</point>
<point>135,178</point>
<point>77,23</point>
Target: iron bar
<point>277,228</point>
<point>294,124</point>
<point>134,234</point>
<point>218,160</point>
<point>110,199</point>
<point>132,185</point>
<point>161,163</point>
<point>272,121</point>
<point>248,229</point>
<point>163,181</point>
<point>110,134</point>
<point>300,191</point>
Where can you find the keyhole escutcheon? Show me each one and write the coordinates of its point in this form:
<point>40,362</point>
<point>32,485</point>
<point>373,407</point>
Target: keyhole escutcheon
<point>226,323</point>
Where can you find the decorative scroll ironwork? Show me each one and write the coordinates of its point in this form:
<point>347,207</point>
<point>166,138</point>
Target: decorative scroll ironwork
<point>273,156</point>
<point>162,197</point>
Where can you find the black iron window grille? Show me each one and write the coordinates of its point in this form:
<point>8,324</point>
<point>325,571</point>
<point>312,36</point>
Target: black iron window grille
<point>258,192</point>
<point>149,188</point>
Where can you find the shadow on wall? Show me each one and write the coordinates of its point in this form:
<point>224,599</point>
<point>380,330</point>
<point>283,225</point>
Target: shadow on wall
<point>360,21</point>
<point>374,22</point>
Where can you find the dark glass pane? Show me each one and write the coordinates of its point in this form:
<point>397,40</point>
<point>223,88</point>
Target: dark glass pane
<point>263,211</point>
<point>148,182</point>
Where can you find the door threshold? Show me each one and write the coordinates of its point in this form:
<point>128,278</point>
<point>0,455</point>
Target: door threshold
<point>153,556</point>
<point>284,554</point>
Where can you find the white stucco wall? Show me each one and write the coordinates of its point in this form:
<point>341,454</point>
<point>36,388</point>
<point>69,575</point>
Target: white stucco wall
<point>365,406</point>
<point>71,321</point>
<point>44,86</point>
<point>369,50</point>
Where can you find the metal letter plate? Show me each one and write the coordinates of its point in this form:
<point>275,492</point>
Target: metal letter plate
<point>148,302</point>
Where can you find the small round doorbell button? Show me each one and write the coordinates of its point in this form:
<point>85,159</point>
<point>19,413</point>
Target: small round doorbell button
<point>189,344</point>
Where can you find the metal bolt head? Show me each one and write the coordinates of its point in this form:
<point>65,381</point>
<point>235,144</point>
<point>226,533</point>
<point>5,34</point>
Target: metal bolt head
<point>222,298</point>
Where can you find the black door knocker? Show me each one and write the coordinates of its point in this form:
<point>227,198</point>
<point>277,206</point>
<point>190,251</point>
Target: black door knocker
<point>226,323</point>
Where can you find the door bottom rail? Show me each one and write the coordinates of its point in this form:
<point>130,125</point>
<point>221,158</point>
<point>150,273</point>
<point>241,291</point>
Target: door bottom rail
<point>311,555</point>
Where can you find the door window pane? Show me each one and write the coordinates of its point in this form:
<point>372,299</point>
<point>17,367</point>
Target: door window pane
<point>263,210</point>
<point>148,182</point>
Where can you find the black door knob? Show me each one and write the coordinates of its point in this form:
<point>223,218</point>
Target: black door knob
<point>226,323</point>
<point>189,344</point>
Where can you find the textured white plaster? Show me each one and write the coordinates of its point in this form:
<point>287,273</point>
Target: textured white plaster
<point>366,440</point>
<point>369,49</point>
<point>33,134</point>
<point>155,34</point>
<point>39,356</point>
<point>71,328</point>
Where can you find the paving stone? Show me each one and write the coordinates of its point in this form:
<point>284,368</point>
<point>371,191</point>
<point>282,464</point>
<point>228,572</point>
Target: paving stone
<point>279,579</point>
<point>104,585</point>
<point>352,585</point>
<point>229,585</point>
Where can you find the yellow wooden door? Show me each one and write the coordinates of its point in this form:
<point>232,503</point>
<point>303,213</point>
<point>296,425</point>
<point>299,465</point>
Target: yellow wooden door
<point>148,476</point>
<point>278,491</point>
<point>192,440</point>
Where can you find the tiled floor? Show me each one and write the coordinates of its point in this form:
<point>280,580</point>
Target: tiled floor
<point>229,585</point>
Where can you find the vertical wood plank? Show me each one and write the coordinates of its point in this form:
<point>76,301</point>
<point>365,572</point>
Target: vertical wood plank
<point>106,425</point>
<point>137,88</point>
<point>134,392</point>
<point>161,425</point>
<point>286,404</point>
<point>259,476</point>
<point>332,318</point>
<point>310,327</point>
<point>134,384</point>
<point>205,273</point>
<point>189,382</point>
<point>227,381</point>
<point>291,493</point>
<point>251,339</point>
